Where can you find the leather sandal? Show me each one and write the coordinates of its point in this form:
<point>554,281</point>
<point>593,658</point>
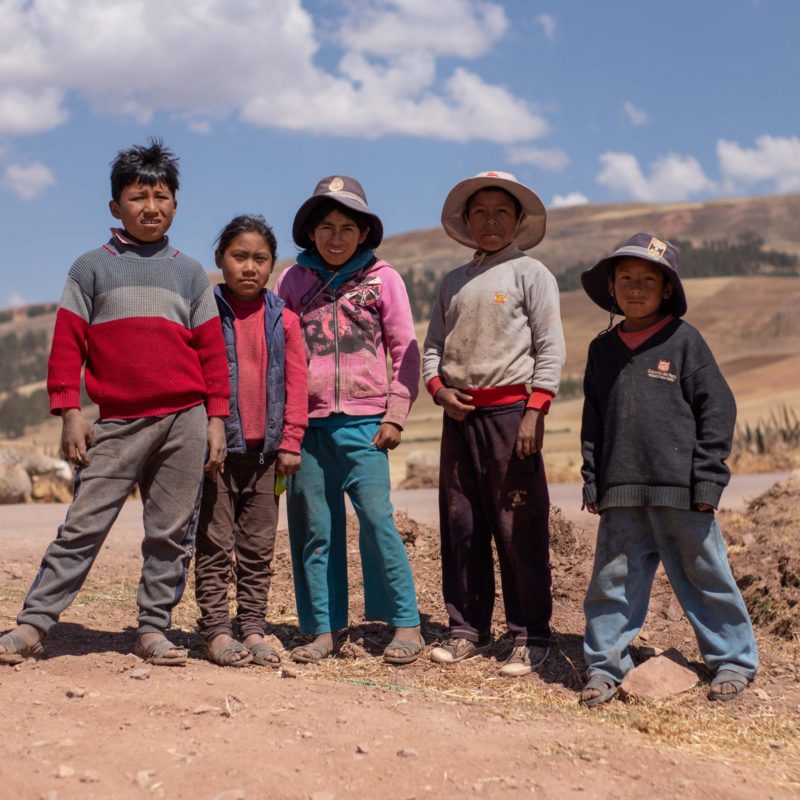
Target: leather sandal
<point>156,653</point>
<point>17,650</point>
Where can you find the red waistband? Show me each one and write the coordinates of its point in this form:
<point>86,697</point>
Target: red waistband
<point>498,395</point>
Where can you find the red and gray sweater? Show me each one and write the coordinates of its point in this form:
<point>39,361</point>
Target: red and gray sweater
<point>144,322</point>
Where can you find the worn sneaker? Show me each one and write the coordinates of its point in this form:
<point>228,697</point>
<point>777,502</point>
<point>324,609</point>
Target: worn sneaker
<point>458,649</point>
<point>523,660</point>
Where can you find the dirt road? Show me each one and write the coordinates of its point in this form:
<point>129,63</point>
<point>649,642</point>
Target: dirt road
<point>89,722</point>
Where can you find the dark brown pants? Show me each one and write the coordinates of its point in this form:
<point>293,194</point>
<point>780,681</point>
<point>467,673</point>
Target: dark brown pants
<point>236,540</point>
<point>485,492</point>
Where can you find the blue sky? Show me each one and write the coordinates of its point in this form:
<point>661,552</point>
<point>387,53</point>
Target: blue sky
<point>585,101</point>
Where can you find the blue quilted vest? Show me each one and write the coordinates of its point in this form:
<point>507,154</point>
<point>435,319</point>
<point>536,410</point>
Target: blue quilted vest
<point>276,383</point>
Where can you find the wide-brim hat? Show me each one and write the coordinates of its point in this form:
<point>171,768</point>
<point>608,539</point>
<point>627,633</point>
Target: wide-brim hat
<point>644,246</point>
<point>345,191</point>
<point>530,230</point>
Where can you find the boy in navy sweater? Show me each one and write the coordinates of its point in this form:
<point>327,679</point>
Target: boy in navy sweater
<point>658,421</point>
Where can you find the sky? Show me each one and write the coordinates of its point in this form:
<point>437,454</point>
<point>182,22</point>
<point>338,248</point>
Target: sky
<point>585,101</point>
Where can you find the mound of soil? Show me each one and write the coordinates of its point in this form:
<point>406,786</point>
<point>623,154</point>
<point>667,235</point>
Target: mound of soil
<point>765,557</point>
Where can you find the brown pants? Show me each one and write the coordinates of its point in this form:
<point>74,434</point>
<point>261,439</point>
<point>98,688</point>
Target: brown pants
<point>236,539</point>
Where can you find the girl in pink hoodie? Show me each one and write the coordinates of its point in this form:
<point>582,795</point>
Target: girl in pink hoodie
<point>353,311</point>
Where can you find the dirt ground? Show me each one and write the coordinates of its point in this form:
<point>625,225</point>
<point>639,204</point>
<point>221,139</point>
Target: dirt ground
<point>90,722</point>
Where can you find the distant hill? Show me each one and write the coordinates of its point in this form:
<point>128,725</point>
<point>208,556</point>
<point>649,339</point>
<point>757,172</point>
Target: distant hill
<point>753,324</point>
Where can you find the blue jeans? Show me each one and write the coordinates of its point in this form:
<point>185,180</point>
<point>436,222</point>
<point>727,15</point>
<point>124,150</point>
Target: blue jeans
<point>630,544</point>
<point>338,457</point>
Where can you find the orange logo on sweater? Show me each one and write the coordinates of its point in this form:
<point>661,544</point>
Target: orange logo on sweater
<point>500,296</point>
<point>663,365</point>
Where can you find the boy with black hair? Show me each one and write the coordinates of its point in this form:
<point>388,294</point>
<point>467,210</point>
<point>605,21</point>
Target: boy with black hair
<point>141,317</point>
<point>658,421</point>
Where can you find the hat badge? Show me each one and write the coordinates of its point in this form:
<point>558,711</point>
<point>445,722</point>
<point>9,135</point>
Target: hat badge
<point>336,185</point>
<point>657,247</point>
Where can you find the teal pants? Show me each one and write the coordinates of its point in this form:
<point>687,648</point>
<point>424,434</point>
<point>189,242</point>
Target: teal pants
<point>338,457</point>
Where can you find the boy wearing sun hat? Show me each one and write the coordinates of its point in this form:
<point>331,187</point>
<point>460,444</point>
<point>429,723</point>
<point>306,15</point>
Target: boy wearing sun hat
<point>658,420</point>
<point>494,332</point>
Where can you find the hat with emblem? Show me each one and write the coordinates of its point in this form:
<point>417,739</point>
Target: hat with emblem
<point>531,228</point>
<point>644,246</point>
<point>345,191</point>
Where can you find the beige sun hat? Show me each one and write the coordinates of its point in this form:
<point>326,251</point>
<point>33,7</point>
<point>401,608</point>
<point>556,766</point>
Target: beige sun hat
<point>532,227</point>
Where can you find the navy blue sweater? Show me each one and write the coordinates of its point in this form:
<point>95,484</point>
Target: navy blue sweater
<point>658,421</point>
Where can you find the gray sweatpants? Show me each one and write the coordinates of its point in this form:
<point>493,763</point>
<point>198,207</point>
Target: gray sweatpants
<point>164,455</point>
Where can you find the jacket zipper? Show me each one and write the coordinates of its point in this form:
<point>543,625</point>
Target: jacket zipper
<point>336,354</point>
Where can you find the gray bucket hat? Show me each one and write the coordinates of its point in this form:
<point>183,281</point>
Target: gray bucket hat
<point>649,248</point>
<point>532,227</point>
<point>345,191</point>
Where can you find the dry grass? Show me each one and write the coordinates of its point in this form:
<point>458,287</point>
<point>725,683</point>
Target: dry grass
<point>753,731</point>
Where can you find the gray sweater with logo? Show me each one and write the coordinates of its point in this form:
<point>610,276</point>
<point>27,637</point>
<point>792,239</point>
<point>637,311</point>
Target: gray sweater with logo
<point>658,421</point>
<point>496,322</point>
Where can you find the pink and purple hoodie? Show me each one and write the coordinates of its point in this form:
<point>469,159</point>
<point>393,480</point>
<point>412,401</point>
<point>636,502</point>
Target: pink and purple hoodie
<point>348,333</point>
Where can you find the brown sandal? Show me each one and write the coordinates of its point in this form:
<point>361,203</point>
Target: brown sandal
<point>18,650</point>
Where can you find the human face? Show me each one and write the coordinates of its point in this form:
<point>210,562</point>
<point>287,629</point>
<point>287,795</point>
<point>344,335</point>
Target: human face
<point>246,265</point>
<point>146,211</point>
<point>337,238</point>
<point>639,287</point>
<point>492,219</point>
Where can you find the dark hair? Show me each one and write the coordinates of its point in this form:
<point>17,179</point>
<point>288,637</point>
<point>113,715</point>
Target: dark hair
<point>247,223</point>
<point>319,212</point>
<point>517,204</point>
<point>149,165</point>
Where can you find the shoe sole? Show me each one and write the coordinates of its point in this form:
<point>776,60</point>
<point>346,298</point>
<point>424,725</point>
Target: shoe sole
<point>478,651</point>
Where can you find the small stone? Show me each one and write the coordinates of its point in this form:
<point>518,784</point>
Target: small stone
<point>231,794</point>
<point>660,677</point>
<point>362,748</point>
<point>288,672</point>
<point>78,691</point>
<point>761,694</point>
<point>65,771</point>
<point>775,744</point>
<point>185,725</point>
<point>204,709</point>
<point>140,673</point>
<point>748,540</point>
<point>322,796</point>
<point>51,795</point>
<point>307,735</point>
<point>143,778</point>
<point>674,611</point>
<point>407,752</point>
<point>89,776</point>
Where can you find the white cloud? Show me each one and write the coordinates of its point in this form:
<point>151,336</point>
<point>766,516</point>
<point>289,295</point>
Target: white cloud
<point>461,28</point>
<point>548,23</point>
<point>199,126</point>
<point>774,160</point>
<point>553,159</point>
<point>193,63</point>
<point>672,177</point>
<point>15,299</point>
<point>28,181</point>
<point>571,199</point>
<point>635,115</point>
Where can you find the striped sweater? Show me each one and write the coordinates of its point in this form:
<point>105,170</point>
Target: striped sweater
<point>144,322</point>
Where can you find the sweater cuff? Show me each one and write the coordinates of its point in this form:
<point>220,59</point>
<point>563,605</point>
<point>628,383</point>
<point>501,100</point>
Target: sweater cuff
<point>540,400</point>
<point>707,492</point>
<point>218,407</point>
<point>291,444</point>
<point>433,386</point>
<point>64,399</point>
<point>589,494</point>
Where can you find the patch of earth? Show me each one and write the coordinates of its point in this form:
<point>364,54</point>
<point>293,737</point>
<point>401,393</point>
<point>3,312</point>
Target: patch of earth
<point>353,726</point>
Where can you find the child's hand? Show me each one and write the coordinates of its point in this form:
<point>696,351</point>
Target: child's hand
<point>591,508</point>
<point>217,448</point>
<point>703,507</point>
<point>531,433</point>
<point>76,437</point>
<point>454,402</point>
<point>387,437</point>
<point>288,463</point>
